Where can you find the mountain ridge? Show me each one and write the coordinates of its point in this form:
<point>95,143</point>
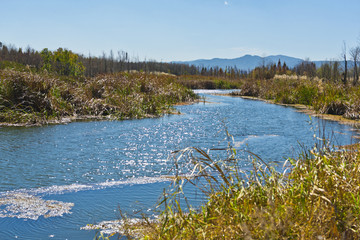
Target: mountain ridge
<point>248,62</point>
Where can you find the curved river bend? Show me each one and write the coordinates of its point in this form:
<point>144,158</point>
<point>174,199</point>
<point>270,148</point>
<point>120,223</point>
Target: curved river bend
<point>58,178</point>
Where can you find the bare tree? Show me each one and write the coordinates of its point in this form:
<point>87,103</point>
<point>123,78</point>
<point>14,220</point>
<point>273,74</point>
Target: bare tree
<point>355,54</point>
<point>104,60</point>
<point>345,64</point>
<point>90,72</point>
<point>335,73</point>
<point>111,61</point>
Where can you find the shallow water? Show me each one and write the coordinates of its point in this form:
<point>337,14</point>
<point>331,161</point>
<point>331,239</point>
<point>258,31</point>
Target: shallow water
<point>99,166</point>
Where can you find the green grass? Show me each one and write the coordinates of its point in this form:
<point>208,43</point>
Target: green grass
<point>27,97</point>
<point>207,82</point>
<point>317,196</point>
<point>323,97</point>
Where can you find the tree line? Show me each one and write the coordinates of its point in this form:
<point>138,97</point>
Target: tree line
<point>65,62</point>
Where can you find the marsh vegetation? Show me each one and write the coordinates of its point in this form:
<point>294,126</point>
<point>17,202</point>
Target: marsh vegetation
<point>322,96</point>
<point>40,98</point>
<point>315,196</point>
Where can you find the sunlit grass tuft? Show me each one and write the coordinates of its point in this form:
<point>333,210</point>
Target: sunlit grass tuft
<point>317,196</point>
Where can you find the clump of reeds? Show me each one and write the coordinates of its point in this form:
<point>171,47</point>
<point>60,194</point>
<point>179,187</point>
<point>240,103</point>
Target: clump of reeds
<point>31,98</point>
<point>317,196</point>
<point>323,97</point>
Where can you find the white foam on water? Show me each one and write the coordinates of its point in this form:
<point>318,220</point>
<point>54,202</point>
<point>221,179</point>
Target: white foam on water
<point>240,143</point>
<point>115,226</point>
<point>56,189</point>
<point>28,204</point>
<point>22,205</point>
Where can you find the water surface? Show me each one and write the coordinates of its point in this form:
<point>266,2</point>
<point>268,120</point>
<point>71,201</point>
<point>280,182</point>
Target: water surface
<point>99,166</point>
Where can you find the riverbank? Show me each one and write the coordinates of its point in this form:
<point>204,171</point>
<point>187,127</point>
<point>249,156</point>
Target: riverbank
<point>328,100</point>
<point>84,118</point>
<point>35,99</point>
<point>303,109</point>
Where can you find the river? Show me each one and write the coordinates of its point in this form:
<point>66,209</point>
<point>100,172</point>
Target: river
<point>58,178</point>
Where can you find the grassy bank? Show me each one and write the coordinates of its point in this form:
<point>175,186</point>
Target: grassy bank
<point>28,97</point>
<point>316,197</point>
<point>322,96</point>
<point>208,82</point>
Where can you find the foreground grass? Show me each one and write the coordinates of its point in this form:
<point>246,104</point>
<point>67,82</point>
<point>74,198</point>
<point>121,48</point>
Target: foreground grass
<point>316,197</point>
<point>39,98</point>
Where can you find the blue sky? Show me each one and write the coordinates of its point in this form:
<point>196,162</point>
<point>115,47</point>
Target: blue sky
<point>175,30</point>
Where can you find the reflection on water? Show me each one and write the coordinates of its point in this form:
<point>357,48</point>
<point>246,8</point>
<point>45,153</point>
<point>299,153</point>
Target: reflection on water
<point>98,166</point>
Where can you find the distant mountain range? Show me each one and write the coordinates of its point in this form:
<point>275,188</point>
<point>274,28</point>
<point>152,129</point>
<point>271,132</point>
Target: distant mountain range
<point>248,62</point>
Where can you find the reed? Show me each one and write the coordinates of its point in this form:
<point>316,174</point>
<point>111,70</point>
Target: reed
<point>323,97</point>
<point>39,98</point>
<point>316,196</point>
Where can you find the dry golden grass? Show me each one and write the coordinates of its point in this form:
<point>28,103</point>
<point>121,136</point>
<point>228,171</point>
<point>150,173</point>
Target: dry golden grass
<point>317,196</point>
<point>32,98</point>
<point>323,97</point>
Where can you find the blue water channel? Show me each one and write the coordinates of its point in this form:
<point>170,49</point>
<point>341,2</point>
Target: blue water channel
<point>87,170</point>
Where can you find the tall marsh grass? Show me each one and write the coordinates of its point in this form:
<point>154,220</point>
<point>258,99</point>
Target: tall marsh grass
<point>36,98</point>
<point>323,97</point>
<point>316,196</point>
